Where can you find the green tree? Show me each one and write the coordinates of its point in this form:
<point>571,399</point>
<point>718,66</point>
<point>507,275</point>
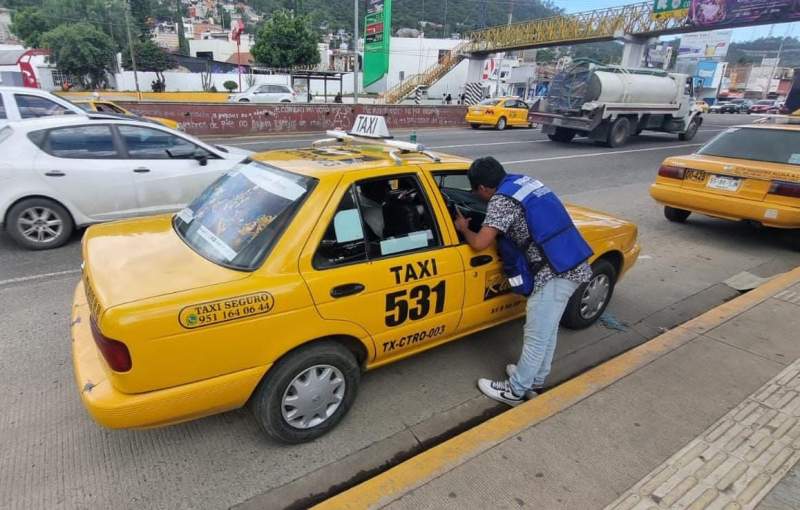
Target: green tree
<point>149,57</point>
<point>29,24</point>
<point>285,41</point>
<point>82,51</point>
<point>140,13</point>
<point>230,85</point>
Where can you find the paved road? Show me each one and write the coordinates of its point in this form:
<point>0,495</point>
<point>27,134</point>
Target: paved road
<point>54,456</point>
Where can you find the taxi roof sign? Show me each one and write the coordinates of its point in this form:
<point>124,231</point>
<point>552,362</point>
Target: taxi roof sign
<point>370,126</point>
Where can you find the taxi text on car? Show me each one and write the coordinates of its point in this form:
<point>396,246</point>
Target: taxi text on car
<point>749,172</point>
<point>292,274</point>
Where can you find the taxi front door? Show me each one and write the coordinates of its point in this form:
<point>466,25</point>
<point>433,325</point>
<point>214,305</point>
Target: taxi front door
<point>379,258</point>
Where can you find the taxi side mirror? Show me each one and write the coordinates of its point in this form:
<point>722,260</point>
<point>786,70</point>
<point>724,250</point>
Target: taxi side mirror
<point>201,156</point>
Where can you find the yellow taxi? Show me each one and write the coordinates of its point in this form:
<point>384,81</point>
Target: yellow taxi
<point>291,275</point>
<point>499,112</point>
<point>749,172</point>
<point>105,106</point>
<point>702,106</point>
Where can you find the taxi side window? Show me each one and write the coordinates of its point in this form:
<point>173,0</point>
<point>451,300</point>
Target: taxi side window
<point>379,218</point>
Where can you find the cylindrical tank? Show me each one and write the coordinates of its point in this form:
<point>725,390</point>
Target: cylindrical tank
<point>622,87</point>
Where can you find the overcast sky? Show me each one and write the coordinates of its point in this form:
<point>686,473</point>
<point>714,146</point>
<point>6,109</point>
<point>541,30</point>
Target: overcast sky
<point>739,34</point>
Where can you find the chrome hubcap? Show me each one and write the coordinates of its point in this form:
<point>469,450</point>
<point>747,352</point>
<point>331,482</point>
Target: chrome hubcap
<point>595,296</point>
<point>40,224</point>
<point>313,396</point>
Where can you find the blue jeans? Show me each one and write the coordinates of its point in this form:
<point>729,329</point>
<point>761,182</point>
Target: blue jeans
<point>540,332</point>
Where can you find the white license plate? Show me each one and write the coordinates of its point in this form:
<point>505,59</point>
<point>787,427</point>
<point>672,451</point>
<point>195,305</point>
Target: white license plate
<point>724,183</point>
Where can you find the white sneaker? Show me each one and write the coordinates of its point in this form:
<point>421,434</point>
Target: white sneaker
<point>533,393</point>
<point>500,391</point>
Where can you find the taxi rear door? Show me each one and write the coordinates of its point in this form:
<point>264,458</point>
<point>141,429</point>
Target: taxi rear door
<point>379,258</point>
<point>487,296</point>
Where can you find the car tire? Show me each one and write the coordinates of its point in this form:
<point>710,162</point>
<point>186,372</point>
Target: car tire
<point>691,131</point>
<point>501,124</point>
<point>791,238</point>
<point>590,299</point>
<point>285,101</point>
<point>52,223</point>
<point>244,100</point>
<point>474,126</point>
<point>619,132</point>
<point>562,135</point>
<point>338,376</point>
<point>676,215</point>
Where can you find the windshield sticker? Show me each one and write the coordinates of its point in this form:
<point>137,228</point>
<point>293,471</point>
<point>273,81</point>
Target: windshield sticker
<point>218,244</point>
<point>224,310</point>
<point>186,215</point>
<point>794,159</point>
<point>274,183</point>
<point>410,242</point>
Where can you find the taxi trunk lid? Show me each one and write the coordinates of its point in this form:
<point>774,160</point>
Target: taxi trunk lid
<point>734,177</point>
<point>143,258</point>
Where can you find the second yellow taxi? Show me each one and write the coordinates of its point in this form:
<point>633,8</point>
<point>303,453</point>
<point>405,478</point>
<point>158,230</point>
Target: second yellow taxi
<point>106,106</point>
<point>749,172</point>
<point>499,113</point>
<point>291,275</point>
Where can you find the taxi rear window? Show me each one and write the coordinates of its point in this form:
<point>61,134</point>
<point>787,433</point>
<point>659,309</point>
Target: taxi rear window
<point>236,221</point>
<point>489,102</point>
<point>771,145</point>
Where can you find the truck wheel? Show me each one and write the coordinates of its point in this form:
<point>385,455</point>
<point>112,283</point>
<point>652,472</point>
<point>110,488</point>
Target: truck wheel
<point>590,300</point>
<point>675,214</point>
<point>619,132</point>
<point>562,135</point>
<point>307,393</point>
<point>501,124</point>
<point>39,224</point>
<point>690,131</point>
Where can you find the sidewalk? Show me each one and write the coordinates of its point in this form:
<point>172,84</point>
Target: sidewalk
<point>703,416</point>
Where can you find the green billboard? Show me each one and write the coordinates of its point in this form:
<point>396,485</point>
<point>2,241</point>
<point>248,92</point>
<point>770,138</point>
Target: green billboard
<point>377,34</point>
<point>671,8</point>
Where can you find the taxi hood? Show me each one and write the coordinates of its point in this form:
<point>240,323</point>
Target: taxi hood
<point>143,258</point>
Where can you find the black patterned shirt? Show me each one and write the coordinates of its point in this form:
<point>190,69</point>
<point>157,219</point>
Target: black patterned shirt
<point>508,216</point>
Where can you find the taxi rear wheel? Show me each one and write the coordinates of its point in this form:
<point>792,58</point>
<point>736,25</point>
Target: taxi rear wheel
<point>307,392</point>
<point>474,126</point>
<point>675,214</point>
<point>590,300</point>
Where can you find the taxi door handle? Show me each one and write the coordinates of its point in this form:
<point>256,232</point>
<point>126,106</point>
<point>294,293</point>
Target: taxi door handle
<point>480,260</point>
<point>347,289</point>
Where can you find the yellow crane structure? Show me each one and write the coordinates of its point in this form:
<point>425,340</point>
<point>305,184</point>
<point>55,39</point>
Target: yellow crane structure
<point>636,20</point>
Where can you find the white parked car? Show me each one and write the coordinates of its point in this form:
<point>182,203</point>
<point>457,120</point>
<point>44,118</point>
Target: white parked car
<point>20,103</point>
<point>59,173</point>
<point>265,94</point>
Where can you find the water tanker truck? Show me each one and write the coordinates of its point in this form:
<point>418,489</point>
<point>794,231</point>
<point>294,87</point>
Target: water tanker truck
<point>609,104</point>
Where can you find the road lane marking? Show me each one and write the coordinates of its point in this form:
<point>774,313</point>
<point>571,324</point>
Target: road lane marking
<point>38,276</point>
<point>485,144</point>
<point>596,154</point>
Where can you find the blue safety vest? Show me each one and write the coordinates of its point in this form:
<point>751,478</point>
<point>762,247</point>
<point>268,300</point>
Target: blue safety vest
<point>561,244</point>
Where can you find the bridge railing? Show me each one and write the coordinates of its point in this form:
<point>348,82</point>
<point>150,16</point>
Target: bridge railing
<point>600,24</point>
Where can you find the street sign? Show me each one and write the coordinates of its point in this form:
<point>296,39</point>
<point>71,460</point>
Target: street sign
<point>671,8</point>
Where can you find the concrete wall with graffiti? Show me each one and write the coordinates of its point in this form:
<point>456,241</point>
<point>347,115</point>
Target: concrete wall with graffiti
<point>251,119</point>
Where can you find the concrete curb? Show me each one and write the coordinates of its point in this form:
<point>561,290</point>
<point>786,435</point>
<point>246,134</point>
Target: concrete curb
<point>432,463</point>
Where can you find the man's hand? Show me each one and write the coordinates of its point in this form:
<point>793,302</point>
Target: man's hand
<point>461,223</point>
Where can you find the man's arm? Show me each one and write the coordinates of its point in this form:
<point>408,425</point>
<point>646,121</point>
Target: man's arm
<point>478,241</point>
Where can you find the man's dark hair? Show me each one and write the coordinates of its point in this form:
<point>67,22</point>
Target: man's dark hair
<point>485,171</point>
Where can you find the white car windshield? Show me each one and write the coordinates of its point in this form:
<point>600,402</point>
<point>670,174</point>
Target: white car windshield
<point>237,219</point>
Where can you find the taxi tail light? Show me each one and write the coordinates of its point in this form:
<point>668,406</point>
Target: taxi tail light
<point>115,352</point>
<point>673,172</point>
<point>786,189</point>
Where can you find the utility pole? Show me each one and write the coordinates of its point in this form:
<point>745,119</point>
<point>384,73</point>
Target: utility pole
<point>355,51</point>
<point>130,48</point>
<point>510,11</point>
<point>777,62</point>
<point>444,23</point>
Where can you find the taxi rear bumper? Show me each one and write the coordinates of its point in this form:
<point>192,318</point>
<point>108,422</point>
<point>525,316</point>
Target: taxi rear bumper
<point>476,118</point>
<point>727,207</point>
<point>114,409</point>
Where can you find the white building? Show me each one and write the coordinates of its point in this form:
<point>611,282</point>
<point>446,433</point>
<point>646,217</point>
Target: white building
<point>409,56</point>
<point>218,49</point>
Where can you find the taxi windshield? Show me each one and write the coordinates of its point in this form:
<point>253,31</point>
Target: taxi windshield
<point>771,145</point>
<point>236,221</point>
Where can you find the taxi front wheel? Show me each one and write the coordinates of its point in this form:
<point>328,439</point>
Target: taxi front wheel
<point>307,392</point>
